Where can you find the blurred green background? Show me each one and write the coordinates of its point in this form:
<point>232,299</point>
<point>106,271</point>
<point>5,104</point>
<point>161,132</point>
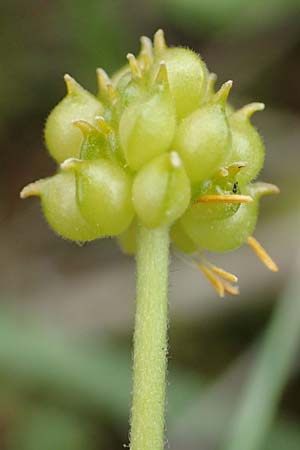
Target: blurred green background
<point>66,313</point>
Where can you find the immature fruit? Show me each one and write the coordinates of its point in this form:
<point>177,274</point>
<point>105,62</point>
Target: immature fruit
<point>187,75</point>
<point>58,198</point>
<point>247,144</point>
<point>161,191</point>
<point>146,128</point>
<point>221,234</point>
<point>203,139</point>
<point>63,140</point>
<point>103,194</point>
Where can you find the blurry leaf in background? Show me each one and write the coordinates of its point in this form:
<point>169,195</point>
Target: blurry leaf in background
<point>31,46</point>
<point>34,359</point>
<point>89,376</point>
<point>234,16</point>
<point>48,429</point>
<point>40,41</point>
<point>99,36</point>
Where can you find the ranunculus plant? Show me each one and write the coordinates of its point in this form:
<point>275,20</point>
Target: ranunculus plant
<point>158,156</point>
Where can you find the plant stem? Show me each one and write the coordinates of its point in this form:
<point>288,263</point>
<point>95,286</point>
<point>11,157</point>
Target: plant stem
<point>150,340</point>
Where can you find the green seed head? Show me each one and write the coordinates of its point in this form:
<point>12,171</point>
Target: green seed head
<point>160,146</point>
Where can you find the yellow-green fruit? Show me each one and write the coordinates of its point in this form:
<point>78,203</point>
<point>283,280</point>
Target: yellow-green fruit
<point>181,240</point>
<point>247,146</point>
<point>224,234</point>
<point>187,75</point>
<point>63,140</point>
<point>147,128</point>
<point>103,194</point>
<point>58,198</point>
<point>203,141</point>
<point>161,191</point>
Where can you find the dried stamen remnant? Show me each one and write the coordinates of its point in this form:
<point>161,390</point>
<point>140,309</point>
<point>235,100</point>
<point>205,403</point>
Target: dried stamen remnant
<point>224,274</point>
<point>219,278</point>
<point>213,279</point>
<point>216,198</point>
<point>232,290</point>
<point>262,254</point>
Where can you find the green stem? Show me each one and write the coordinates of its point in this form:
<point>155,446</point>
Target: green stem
<point>150,340</point>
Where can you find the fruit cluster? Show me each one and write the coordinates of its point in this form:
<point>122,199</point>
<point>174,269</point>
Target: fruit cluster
<point>157,146</point>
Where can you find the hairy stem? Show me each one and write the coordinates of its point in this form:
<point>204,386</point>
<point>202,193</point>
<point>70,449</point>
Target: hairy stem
<point>150,341</point>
